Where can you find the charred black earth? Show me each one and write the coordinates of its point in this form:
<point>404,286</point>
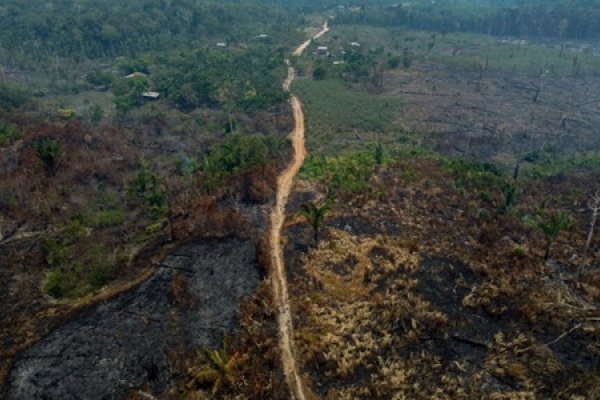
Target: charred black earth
<point>123,344</point>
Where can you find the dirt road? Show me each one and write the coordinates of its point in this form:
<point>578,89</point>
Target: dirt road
<point>298,52</point>
<point>279,279</point>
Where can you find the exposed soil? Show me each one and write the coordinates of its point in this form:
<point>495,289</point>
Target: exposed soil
<point>135,339</point>
<point>279,278</point>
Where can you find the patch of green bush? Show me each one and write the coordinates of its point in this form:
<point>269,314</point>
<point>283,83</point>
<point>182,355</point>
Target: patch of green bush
<point>348,172</point>
<point>108,218</point>
<point>8,133</point>
<point>549,164</point>
<point>520,251</point>
<point>237,153</point>
<point>99,78</point>
<point>69,280</point>
<point>12,96</point>
<point>79,280</point>
<point>479,175</point>
<point>58,284</point>
<point>146,186</point>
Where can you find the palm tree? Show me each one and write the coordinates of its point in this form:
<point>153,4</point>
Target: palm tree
<point>558,222</point>
<point>49,152</point>
<point>315,215</point>
<point>220,370</point>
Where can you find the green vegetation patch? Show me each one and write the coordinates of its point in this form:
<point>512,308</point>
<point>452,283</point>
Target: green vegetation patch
<point>80,279</point>
<point>108,218</point>
<point>468,51</point>
<point>240,152</point>
<point>248,80</point>
<point>467,172</point>
<point>78,263</point>
<point>335,114</point>
<point>349,172</point>
<point>548,164</point>
<point>12,96</point>
<point>528,59</point>
<point>8,133</point>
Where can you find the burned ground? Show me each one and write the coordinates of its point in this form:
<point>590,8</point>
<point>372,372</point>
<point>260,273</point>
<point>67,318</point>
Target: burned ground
<point>130,341</point>
<point>457,303</point>
<point>462,115</point>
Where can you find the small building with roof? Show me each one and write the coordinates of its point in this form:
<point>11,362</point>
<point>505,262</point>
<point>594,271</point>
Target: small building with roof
<point>151,95</point>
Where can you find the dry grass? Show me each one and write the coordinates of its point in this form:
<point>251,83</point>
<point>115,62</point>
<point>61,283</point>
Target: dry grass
<point>446,309</point>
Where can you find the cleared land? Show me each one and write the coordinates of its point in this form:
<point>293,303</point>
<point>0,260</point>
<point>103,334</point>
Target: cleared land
<point>467,95</point>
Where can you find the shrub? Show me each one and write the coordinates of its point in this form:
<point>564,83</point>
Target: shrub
<point>80,280</point>
<point>66,113</point>
<point>100,275</point>
<point>519,251</point>
<point>155,227</point>
<point>58,284</point>
<point>319,73</point>
<point>186,166</point>
<point>480,175</point>
<point>108,218</point>
<point>12,96</point>
<point>238,153</point>
<point>96,114</point>
<point>8,133</point>
<point>55,252</point>
<point>345,172</point>
<point>393,62</point>
<point>99,78</point>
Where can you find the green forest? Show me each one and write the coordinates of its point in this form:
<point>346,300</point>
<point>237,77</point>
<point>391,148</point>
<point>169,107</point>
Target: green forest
<point>39,31</point>
<point>540,19</point>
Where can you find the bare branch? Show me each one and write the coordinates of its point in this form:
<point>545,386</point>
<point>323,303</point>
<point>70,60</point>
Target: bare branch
<point>594,206</point>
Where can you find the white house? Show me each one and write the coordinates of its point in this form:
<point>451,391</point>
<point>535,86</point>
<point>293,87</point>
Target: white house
<point>151,95</point>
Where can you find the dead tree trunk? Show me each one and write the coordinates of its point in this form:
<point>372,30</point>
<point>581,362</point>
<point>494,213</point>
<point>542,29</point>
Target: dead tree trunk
<point>595,205</point>
<point>517,169</point>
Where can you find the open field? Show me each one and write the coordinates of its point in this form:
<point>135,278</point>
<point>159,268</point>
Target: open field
<point>465,49</point>
<point>461,94</point>
<point>462,115</point>
<point>340,119</point>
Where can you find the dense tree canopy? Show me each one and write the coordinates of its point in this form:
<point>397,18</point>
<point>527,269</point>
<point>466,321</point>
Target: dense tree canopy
<point>564,19</point>
<point>243,79</point>
<point>99,28</point>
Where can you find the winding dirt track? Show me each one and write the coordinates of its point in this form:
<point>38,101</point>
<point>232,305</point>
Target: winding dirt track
<point>278,278</point>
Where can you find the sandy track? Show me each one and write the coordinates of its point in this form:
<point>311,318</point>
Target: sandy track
<point>279,279</point>
<point>298,52</point>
